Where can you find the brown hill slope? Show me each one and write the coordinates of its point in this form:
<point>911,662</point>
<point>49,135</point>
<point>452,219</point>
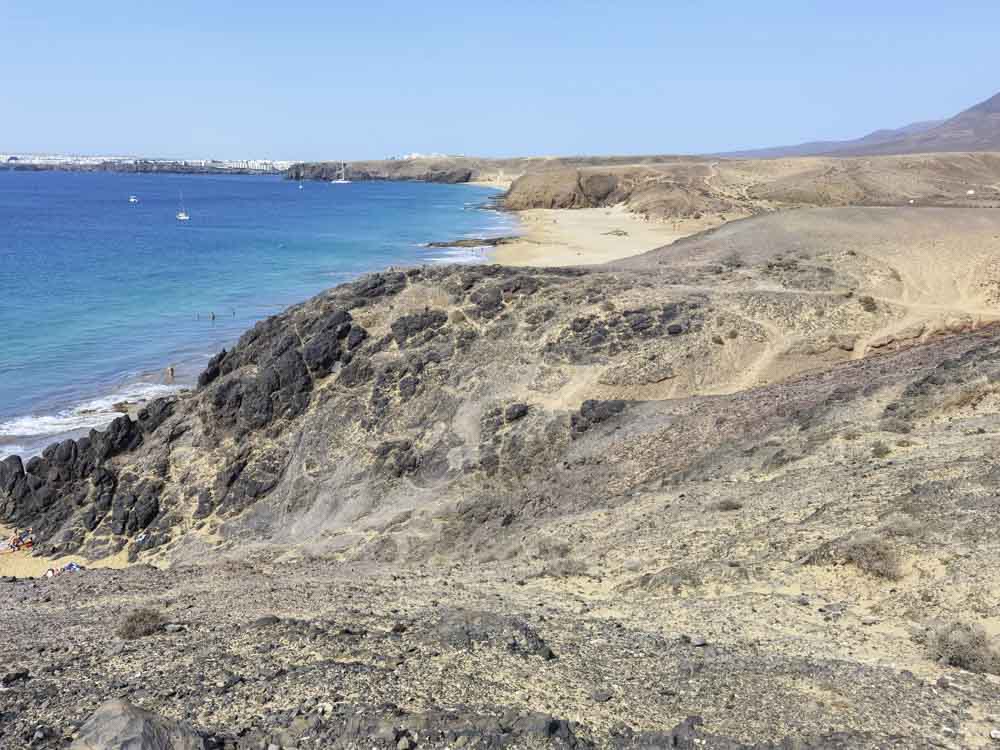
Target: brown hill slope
<point>734,188</point>
<point>974,129</point>
<point>675,475</point>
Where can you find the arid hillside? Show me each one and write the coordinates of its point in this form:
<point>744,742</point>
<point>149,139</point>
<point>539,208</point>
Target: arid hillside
<point>671,187</point>
<point>974,129</point>
<point>749,477</point>
<point>733,188</point>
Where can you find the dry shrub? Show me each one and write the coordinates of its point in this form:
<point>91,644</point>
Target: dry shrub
<point>868,303</point>
<point>966,646</point>
<point>874,555</point>
<point>897,425</point>
<point>900,524</point>
<point>969,397</point>
<point>140,623</point>
<point>550,548</point>
<point>880,449</point>
<point>511,552</point>
<point>565,568</point>
<point>728,504</point>
<point>633,564</point>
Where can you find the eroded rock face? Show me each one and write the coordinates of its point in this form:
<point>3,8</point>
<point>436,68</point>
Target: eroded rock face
<point>314,376</point>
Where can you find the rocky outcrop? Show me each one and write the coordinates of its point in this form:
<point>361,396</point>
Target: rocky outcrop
<point>569,188</point>
<point>118,725</point>
<point>452,390</point>
<point>403,171</point>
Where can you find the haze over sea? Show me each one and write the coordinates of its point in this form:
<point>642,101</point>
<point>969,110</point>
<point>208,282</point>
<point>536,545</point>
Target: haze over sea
<point>98,296</point>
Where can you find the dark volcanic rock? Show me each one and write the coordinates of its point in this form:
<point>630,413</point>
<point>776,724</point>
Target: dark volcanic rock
<point>463,629</point>
<point>411,325</point>
<point>118,725</point>
<point>594,412</point>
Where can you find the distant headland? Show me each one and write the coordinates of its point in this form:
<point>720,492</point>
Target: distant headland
<point>69,163</point>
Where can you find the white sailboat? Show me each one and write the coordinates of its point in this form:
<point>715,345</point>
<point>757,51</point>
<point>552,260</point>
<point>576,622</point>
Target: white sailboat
<point>342,180</point>
<point>133,199</point>
<point>182,215</point>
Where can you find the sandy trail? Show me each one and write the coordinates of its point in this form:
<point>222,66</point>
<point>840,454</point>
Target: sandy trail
<point>928,270</point>
<point>587,236</point>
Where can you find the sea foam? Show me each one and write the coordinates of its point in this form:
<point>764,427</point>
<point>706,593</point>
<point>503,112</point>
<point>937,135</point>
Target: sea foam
<point>96,413</point>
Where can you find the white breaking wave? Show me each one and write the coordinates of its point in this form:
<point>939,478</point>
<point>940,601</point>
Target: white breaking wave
<point>11,450</point>
<point>459,255</point>
<point>94,414</point>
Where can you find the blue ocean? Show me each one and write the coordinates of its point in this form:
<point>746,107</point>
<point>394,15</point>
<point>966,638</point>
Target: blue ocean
<point>99,296</point>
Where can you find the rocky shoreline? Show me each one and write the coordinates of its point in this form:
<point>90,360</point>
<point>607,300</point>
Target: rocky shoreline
<point>474,242</point>
<point>138,167</point>
<point>678,187</point>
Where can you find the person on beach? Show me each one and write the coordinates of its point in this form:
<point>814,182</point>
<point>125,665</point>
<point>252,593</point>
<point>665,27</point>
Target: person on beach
<point>170,374</point>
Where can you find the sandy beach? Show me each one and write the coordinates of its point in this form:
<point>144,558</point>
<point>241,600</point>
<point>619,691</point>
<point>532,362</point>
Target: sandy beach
<point>497,181</point>
<point>23,564</point>
<point>586,236</point>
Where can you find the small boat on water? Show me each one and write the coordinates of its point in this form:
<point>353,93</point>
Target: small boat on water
<point>301,186</point>
<point>342,179</point>
<point>182,215</point>
<point>133,199</point>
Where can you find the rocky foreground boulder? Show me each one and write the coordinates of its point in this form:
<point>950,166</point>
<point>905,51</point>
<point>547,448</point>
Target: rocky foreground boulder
<point>118,725</point>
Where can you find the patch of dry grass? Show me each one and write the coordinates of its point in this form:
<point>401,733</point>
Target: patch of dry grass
<point>140,623</point>
<point>969,397</point>
<point>874,555</point>
<point>966,646</point>
<point>728,505</point>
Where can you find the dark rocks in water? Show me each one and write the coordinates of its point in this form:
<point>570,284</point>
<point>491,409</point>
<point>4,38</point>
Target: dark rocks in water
<point>118,725</point>
<point>474,242</point>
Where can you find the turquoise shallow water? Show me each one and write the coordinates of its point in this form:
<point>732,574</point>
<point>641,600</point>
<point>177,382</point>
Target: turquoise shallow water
<point>98,296</point>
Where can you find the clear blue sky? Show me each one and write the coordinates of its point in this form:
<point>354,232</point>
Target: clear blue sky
<point>333,79</point>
